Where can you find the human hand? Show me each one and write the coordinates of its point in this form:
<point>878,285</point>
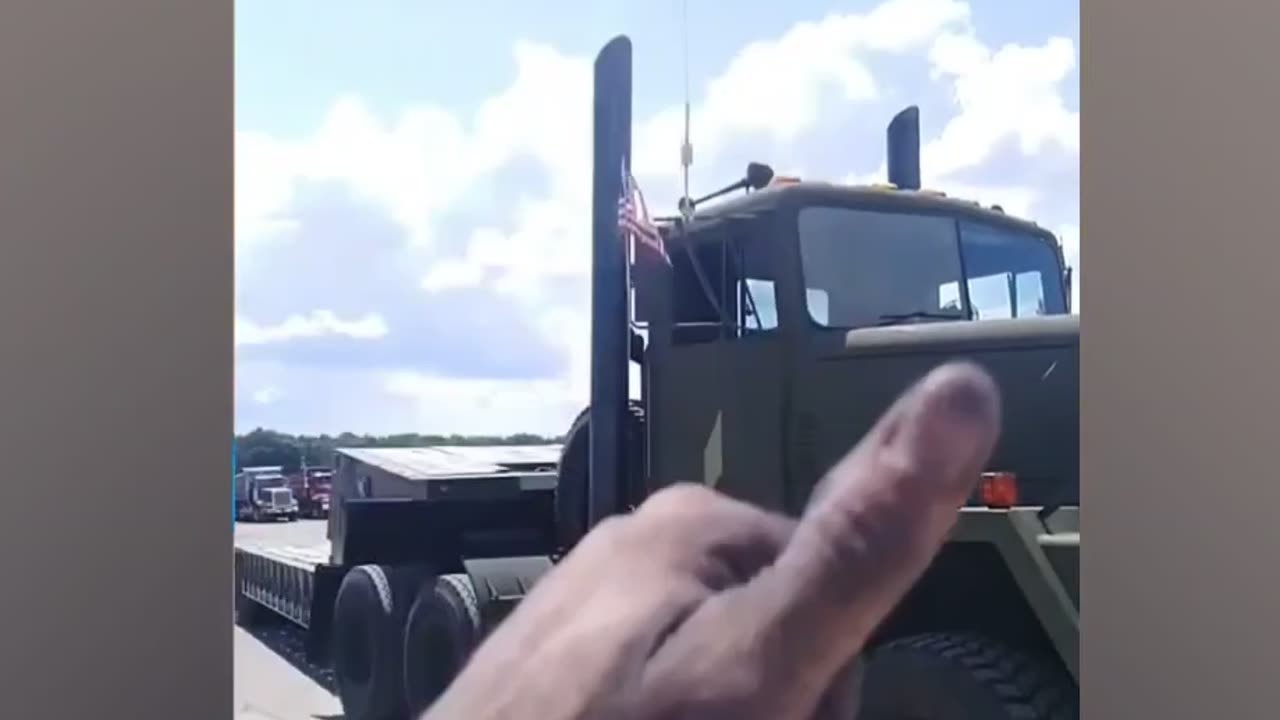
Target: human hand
<point>700,606</point>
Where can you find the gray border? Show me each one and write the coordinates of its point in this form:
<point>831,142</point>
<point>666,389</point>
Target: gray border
<point>1178,449</point>
<point>116,299</point>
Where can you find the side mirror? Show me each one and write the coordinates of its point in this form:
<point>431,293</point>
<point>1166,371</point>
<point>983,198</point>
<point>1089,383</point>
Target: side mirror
<point>758,176</point>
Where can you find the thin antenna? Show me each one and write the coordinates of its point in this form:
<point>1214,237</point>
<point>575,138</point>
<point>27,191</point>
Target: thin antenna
<point>686,150</point>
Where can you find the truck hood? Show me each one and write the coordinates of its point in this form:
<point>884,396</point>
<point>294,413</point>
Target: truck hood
<point>1035,363</point>
<point>1050,331</point>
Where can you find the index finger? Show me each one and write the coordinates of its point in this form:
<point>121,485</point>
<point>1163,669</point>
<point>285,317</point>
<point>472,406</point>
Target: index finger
<point>879,516</point>
<point>872,528</point>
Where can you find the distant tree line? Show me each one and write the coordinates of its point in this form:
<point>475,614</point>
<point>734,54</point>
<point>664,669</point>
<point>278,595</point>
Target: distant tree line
<point>270,447</point>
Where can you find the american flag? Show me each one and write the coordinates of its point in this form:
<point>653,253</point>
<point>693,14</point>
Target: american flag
<point>633,218</point>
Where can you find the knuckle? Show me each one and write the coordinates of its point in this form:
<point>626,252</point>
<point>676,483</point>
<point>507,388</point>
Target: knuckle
<point>680,497</point>
<point>610,528</point>
<point>608,535</point>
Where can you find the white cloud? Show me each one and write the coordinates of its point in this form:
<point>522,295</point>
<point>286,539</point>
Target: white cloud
<point>429,161</point>
<point>449,405</point>
<point>452,274</point>
<point>777,88</point>
<point>1012,92</point>
<point>267,395</point>
<point>265,180</point>
<point>318,323</point>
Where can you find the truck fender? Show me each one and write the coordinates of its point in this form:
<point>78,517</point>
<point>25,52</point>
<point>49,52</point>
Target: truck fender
<point>500,583</point>
<point>1042,555</point>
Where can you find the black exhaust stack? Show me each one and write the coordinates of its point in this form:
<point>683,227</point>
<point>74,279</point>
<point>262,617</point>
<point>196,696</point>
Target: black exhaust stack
<point>903,151</point>
<point>610,329</point>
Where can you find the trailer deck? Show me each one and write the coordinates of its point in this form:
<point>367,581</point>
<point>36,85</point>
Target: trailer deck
<point>280,578</point>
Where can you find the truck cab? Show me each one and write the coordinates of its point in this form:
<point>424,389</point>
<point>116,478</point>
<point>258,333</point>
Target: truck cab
<point>312,488</point>
<point>799,311</point>
<point>263,493</point>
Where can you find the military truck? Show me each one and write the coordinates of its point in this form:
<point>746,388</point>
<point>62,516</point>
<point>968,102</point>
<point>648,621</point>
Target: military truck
<point>771,329</point>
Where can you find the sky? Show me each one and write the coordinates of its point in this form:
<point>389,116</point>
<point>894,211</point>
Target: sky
<point>413,178</point>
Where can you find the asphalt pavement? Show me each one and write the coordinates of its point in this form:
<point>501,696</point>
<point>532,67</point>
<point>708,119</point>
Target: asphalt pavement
<point>273,681</point>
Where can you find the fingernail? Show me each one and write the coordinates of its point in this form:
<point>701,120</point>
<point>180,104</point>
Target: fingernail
<point>955,424</point>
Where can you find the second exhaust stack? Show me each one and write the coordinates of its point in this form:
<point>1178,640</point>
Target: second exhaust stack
<point>903,149</point>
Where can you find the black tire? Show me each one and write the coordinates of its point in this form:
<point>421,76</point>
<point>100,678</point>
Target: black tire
<point>940,676</point>
<point>571,487</point>
<point>442,630</point>
<point>368,626</point>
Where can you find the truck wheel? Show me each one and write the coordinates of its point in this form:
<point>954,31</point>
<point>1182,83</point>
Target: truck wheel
<point>939,676</point>
<point>368,624</point>
<point>442,630</point>
<point>571,486</point>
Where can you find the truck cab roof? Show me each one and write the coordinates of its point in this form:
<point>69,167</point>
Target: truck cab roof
<point>789,193</point>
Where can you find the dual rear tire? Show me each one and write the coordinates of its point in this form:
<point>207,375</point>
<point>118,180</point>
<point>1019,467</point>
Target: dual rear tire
<point>400,636</point>
<point>442,629</point>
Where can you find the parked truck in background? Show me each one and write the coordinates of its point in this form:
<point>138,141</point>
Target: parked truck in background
<point>263,493</point>
<point>311,488</point>
<point>778,328</point>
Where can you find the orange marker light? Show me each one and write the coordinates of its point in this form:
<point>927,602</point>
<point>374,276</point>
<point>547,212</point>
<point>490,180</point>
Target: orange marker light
<point>784,180</point>
<point>999,490</point>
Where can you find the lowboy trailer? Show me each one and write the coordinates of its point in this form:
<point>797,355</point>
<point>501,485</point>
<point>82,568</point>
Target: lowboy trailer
<point>473,516</point>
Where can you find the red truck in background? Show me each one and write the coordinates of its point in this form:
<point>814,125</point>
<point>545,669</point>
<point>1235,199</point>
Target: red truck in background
<point>312,486</point>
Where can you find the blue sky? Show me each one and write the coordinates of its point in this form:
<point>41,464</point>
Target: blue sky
<point>411,176</point>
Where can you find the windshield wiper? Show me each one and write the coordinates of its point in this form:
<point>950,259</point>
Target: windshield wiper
<point>895,318</point>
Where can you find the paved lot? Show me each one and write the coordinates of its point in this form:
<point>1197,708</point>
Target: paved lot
<point>272,679</point>
<point>302,532</point>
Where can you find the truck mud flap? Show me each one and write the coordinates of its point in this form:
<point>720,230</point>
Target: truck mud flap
<point>325,583</point>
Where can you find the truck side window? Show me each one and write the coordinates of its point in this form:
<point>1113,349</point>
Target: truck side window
<point>818,302</point>
<point>1003,295</point>
<point>755,298</point>
<point>759,312</point>
<point>695,317</point>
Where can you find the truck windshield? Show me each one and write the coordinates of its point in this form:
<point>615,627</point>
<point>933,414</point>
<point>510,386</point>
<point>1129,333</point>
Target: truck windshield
<point>865,268</point>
